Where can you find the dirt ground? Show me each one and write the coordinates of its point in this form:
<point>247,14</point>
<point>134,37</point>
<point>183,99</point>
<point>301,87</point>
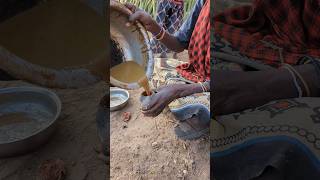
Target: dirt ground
<point>147,148</point>
<point>73,142</point>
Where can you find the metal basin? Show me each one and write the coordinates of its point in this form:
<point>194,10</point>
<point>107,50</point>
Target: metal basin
<point>27,118</point>
<point>118,98</point>
<point>44,49</point>
<point>133,42</point>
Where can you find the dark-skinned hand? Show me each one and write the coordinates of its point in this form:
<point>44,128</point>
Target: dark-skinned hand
<point>159,100</point>
<point>166,94</point>
<point>143,17</point>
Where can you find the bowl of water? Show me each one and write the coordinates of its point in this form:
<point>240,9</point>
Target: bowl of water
<point>118,98</point>
<point>28,118</point>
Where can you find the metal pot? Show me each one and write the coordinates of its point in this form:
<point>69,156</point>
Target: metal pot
<point>67,76</point>
<point>39,103</point>
<point>133,41</point>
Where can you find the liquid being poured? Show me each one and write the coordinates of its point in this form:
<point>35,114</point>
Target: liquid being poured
<point>144,83</point>
<point>131,72</point>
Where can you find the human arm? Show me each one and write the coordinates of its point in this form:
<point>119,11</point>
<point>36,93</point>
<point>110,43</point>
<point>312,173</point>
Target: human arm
<point>176,42</point>
<point>167,94</point>
<point>170,41</point>
<point>237,91</point>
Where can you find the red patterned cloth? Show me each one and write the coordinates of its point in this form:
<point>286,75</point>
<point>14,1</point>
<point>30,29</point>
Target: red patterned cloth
<point>198,68</point>
<point>258,31</point>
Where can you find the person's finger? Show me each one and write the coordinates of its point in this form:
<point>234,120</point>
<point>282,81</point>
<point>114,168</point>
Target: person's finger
<point>153,100</point>
<point>155,110</point>
<point>131,7</point>
<point>136,16</point>
<point>150,110</point>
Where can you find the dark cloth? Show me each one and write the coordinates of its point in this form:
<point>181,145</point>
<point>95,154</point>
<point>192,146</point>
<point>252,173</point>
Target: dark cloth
<point>4,76</point>
<point>260,30</point>
<point>282,135</point>
<point>198,68</point>
<point>252,159</point>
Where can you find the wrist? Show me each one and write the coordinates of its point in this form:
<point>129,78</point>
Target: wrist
<point>279,86</point>
<point>156,29</point>
<point>309,73</point>
<point>184,90</point>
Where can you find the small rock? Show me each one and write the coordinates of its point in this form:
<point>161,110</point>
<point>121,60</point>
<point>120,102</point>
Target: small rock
<point>185,172</point>
<point>155,145</point>
<point>126,116</point>
<point>52,170</point>
<point>184,146</point>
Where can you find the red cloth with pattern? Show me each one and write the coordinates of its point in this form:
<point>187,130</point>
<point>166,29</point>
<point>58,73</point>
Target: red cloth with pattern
<point>198,68</point>
<point>293,25</point>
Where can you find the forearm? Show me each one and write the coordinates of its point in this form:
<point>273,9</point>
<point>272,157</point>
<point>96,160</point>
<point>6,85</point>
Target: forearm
<point>152,26</point>
<point>237,91</point>
<point>281,85</point>
<point>183,90</point>
<point>170,41</point>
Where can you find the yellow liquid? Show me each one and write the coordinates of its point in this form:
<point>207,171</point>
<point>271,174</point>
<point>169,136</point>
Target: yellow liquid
<point>144,83</point>
<point>130,72</point>
<point>56,34</point>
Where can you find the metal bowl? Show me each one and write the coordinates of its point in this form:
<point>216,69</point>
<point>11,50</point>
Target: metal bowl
<point>118,98</point>
<point>58,72</point>
<point>133,41</point>
<point>27,118</point>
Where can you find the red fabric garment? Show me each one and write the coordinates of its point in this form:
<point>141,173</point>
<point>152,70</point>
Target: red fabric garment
<point>198,68</point>
<point>293,25</point>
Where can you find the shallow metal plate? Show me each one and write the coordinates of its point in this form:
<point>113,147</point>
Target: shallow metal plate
<point>118,98</point>
<point>27,118</point>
